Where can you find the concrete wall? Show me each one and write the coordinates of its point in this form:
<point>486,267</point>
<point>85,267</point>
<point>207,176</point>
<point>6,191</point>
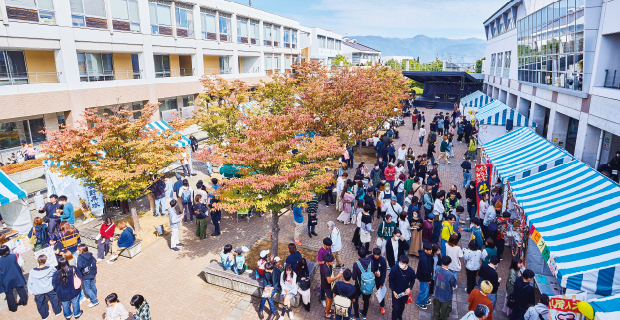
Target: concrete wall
<point>123,68</point>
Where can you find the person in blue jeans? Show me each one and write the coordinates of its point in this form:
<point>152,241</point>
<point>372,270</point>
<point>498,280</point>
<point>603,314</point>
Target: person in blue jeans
<point>466,166</point>
<point>67,294</point>
<point>424,274</point>
<point>87,267</point>
<point>271,280</point>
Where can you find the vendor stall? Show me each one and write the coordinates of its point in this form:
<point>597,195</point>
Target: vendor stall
<point>492,121</point>
<point>470,103</point>
<point>14,205</point>
<point>183,142</point>
<point>607,308</point>
<point>573,213</point>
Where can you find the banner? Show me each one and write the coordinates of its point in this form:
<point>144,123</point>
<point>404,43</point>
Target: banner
<point>565,307</point>
<point>482,175</point>
<point>544,250</point>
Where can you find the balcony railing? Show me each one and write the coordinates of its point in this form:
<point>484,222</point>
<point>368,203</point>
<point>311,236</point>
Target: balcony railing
<point>29,78</point>
<point>252,70</point>
<point>127,74</point>
<point>216,71</point>
<point>165,73</point>
<point>611,80</point>
<point>225,70</point>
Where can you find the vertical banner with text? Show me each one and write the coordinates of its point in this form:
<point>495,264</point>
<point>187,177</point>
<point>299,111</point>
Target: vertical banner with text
<point>483,176</point>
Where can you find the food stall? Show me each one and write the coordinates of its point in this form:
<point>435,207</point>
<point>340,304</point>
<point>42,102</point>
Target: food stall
<point>492,121</point>
<point>470,103</point>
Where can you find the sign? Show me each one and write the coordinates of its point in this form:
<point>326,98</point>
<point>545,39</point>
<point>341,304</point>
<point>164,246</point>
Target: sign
<point>606,143</point>
<point>49,253</point>
<point>482,174</point>
<point>564,308</point>
<point>20,244</point>
<point>555,139</point>
<point>544,250</point>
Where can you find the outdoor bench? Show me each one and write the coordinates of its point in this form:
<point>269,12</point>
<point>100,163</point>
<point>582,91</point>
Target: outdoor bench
<point>89,238</point>
<point>245,283</point>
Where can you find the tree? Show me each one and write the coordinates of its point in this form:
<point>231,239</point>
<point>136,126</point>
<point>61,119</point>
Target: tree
<point>280,165</point>
<point>340,58</point>
<point>479,65</point>
<point>117,155</point>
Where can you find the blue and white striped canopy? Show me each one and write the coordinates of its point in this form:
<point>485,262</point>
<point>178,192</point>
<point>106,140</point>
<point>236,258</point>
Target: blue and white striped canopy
<point>248,106</point>
<point>162,125</point>
<point>9,190</point>
<point>496,113</point>
<point>576,210</point>
<point>522,153</point>
<point>607,308</point>
<point>476,99</point>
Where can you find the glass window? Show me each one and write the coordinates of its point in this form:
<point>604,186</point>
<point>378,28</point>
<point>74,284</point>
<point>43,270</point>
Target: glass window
<point>254,33</point>
<point>287,37</point>
<point>167,104</point>
<point>242,31</point>
<point>188,101</point>
<point>185,20</point>
<point>44,7</point>
<point>160,16</point>
<point>267,35</point>
<point>224,65</point>
<point>135,65</point>
<point>137,106</point>
<point>126,10</point>
<point>268,62</point>
<point>95,67</point>
<point>276,36</point>
<point>9,135</point>
<point>162,66</point>
<point>225,26</point>
<point>330,43</point>
<point>80,9</point>
<point>33,130</point>
<point>13,68</point>
<point>207,22</point>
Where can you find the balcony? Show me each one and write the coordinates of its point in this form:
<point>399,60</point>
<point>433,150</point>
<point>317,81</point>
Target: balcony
<point>166,73</point>
<point>217,71</point>
<point>29,78</point>
<point>611,79</point>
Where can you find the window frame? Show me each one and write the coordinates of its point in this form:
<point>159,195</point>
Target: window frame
<point>189,20</point>
<point>158,25</point>
<point>83,15</point>
<point>205,29</point>
<point>134,26</point>
<point>90,75</point>
<point>51,11</point>
<point>13,77</point>
<point>164,73</point>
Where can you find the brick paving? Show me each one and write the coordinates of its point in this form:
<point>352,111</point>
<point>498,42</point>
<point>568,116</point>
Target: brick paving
<point>174,287</point>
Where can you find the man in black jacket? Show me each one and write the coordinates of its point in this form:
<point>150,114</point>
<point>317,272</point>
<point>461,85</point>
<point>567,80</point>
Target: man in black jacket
<point>396,247</point>
<point>369,200</point>
<point>489,272</point>
<point>379,268</point>
<point>523,294</point>
<point>53,222</point>
<point>467,130</point>
<point>614,165</point>
<point>402,279</point>
<point>357,276</point>
<point>470,195</point>
<point>425,274</point>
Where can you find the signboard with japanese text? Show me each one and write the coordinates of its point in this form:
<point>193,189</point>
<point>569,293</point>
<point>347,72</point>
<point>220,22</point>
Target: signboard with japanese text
<point>49,253</point>
<point>544,250</point>
<point>482,174</point>
<point>565,308</point>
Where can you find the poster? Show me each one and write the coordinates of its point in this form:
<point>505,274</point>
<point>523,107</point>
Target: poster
<point>482,175</point>
<point>49,253</point>
<point>544,250</point>
<point>565,308</point>
<point>20,244</point>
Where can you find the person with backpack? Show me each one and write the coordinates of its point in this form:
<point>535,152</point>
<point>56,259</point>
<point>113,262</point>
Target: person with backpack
<point>158,188</point>
<point>185,194</point>
<point>364,281</point>
<point>345,295</point>
<point>539,311</point>
<point>40,286</point>
<point>524,295</point>
<point>402,279</point>
<point>87,266</point>
<point>40,232</point>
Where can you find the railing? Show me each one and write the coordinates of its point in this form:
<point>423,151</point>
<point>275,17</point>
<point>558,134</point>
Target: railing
<point>252,70</point>
<point>212,71</point>
<point>226,71</point>
<point>29,78</point>
<point>610,80</point>
<point>127,74</point>
<point>174,73</point>
<point>95,75</point>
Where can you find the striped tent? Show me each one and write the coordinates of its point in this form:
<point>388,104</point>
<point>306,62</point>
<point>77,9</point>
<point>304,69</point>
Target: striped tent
<point>476,99</point>
<point>606,308</point>
<point>248,106</point>
<point>574,212</point>
<point>496,113</point>
<point>9,190</point>
<point>162,125</point>
<point>522,153</point>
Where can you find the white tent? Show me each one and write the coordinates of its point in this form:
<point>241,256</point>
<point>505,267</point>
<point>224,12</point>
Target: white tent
<point>14,205</point>
<point>492,120</point>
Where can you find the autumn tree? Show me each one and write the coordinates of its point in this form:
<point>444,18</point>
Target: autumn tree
<point>280,165</point>
<point>115,153</point>
<point>340,58</point>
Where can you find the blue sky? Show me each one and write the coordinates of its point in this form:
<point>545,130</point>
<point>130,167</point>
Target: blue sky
<point>456,19</point>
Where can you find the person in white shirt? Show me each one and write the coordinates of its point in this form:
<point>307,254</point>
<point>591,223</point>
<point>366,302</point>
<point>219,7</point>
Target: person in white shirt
<point>392,209</point>
<point>402,155</point>
<point>375,140</point>
<point>385,197</point>
<point>422,134</point>
<point>336,243</point>
<point>184,158</point>
<point>340,185</point>
<point>438,211</point>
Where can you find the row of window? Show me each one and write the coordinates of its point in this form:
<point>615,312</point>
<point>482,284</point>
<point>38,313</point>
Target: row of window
<point>126,17</point>
<point>500,64</point>
<point>506,23</point>
<point>329,43</point>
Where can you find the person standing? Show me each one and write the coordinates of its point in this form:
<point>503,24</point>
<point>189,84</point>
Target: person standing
<point>426,267</point>
<point>115,310</point>
<point>402,279</point>
<point>87,267</point>
<point>513,273</point>
<point>472,256</point>
<point>175,216</point>
<point>385,232</point>
<point>323,252</point>
<point>391,153</point>
<point>40,231</point>
<point>142,308</point>
<point>379,269</point>
<point>444,286</point>
<point>392,208</point>
<point>40,286</point>
<point>489,272</point>
<point>345,289</point>
<point>200,210</point>
<point>421,135</point>
<point>361,268</point>
<point>390,174</point>
<point>12,278</point>
<point>466,166</point>
<point>402,154</point>
<point>467,129</point>
<point>298,218</point>
<point>68,295</point>
<point>184,159</point>
<point>614,166</point>
<point>414,120</point>
<point>312,222</point>
<point>271,281</point>
<point>340,185</point>
<point>185,194</point>
<point>68,213</point>
<point>159,193</point>
<point>415,244</point>
<point>410,163</point>
<point>523,294</point>
<point>539,311</point>
<point>395,247</point>
<point>216,215</point>
<point>430,150</point>
<point>336,246</point>
<point>53,221</point>
<point>446,231</point>
<point>480,297</point>
<point>453,250</point>
<point>327,283</point>
<point>480,313</point>
<point>470,195</point>
<point>472,150</point>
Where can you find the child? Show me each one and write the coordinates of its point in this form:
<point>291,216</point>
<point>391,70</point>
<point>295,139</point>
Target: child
<point>226,257</point>
<point>239,266</point>
<point>115,310</point>
<point>312,222</point>
<point>260,264</point>
<point>476,233</point>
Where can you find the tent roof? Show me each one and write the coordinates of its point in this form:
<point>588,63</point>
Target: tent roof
<point>9,190</point>
<point>476,99</point>
<point>439,76</point>
<point>162,125</point>
<point>523,152</point>
<point>496,113</point>
<point>609,306</point>
<point>576,210</point>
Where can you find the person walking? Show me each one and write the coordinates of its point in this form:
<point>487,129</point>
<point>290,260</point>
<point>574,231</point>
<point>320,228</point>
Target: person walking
<point>346,290</point>
<point>523,294</point>
<point>472,256</point>
<point>379,269</point>
<point>402,279</point>
<point>385,232</point>
<point>426,267</point>
<point>416,224</point>
<point>200,210</point>
<point>323,252</point>
<point>392,153</point>
<point>40,232</point>
<point>288,284</point>
<point>364,281</point>
<point>40,286</point>
<point>480,297</point>
<point>446,232</point>
<point>513,273</point>
<point>87,267</point>
<point>421,135</point>
<point>364,223</point>
<point>143,311</point>
<point>489,272</point>
<point>472,150</point>
<point>444,290</point>
<point>614,166</point>
<point>185,194</point>
<point>106,232</point>
<point>395,247</point>
<point>64,282</point>
<point>184,159</point>
<point>12,278</point>
<point>466,166</point>
<point>454,251</point>
<point>158,188</point>
<point>115,310</point>
<point>444,152</point>
<point>430,150</point>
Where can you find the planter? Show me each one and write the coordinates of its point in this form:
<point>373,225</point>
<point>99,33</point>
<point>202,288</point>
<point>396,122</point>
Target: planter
<point>27,175</point>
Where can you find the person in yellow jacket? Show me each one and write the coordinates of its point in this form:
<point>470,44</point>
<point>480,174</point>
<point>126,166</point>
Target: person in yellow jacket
<point>472,150</point>
<point>447,230</point>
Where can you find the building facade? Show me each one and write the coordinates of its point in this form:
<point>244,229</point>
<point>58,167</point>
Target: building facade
<point>60,57</point>
<point>359,54</point>
<point>322,45</point>
<point>555,62</point>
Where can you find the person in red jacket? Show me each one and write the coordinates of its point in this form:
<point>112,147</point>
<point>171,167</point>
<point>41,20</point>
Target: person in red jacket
<point>390,174</point>
<point>103,243</point>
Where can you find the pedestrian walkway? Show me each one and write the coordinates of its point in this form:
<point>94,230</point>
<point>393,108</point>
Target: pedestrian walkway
<point>174,287</point>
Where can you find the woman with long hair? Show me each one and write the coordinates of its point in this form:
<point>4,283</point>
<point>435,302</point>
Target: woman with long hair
<point>416,231</point>
<point>303,282</point>
<point>513,273</point>
<point>40,231</point>
<point>106,232</point>
<point>288,283</point>
<point>64,281</point>
<point>472,256</point>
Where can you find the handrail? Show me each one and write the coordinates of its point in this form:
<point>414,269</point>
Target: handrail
<point>29,78</point>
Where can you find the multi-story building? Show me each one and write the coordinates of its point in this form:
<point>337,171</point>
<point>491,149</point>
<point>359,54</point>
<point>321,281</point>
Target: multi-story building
<point>556,63</point>
<point>322,45</point>
<point>360,54</point>
<point>60,57</point>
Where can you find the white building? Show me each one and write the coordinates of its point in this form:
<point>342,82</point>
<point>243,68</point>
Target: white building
<point>358,53</point>
<point>322,45</point>
<point>60,57</point>
<point>556,62</point>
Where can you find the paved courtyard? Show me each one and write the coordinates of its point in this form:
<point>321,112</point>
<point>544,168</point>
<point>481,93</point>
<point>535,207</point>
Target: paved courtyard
<point>174,287</point>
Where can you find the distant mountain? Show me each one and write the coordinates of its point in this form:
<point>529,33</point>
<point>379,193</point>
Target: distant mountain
<point>426,48</point>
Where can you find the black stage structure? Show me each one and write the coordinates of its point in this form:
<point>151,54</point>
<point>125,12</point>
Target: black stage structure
<point>442,89</point>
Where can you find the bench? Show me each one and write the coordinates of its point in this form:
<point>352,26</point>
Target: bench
<point>245,283</point>
<point>88,236</point>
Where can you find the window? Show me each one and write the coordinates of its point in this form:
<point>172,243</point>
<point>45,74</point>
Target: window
<point>268,60</point>
<point>137,106</point>
<point>88,13</point>
<point>126,11</point>
<point>13,68</point>
<point>10,132</point>
<point>9,137</point>
<point>162,66</point>
<point>322,42</point>
<point>330,43</point>
<point>31,10</point>
<point>185,20</point>
<point>267,35</point>
<point>224,65</point>
<point>242,31</point>
<point>276,36</point>
<point>95,67</point>
<point>254,32</point>
<point>209,29</point>
<point>167,107</point>
<point>287,37</point>
<point>276,63</point>
<point>225,27</point>
<point>338,45</point>
<point>135,65</point>
<point>188,101</point>
<point>161,19</point>
<point>294,39</point>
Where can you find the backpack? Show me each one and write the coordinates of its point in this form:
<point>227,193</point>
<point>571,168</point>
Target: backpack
<point>186,196</point>
<point>89,268</point>
<point>42,235</point>
<point>342,305</point>
<point>367,279</point>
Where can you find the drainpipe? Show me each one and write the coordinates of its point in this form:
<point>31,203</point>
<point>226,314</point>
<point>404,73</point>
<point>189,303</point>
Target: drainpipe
<point>600,148</point>
<point>3,14</point>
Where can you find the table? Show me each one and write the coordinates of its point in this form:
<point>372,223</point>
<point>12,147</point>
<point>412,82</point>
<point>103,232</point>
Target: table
<point>548,285</point>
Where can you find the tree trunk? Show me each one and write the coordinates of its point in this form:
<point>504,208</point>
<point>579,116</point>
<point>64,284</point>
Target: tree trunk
<point>275,230</point>
<point>151,201</point>
<point>134,214</point>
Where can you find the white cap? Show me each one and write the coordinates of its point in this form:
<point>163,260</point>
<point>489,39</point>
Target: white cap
<point>245,249</point>
<point>276,259</point>
<point>264,253</point>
